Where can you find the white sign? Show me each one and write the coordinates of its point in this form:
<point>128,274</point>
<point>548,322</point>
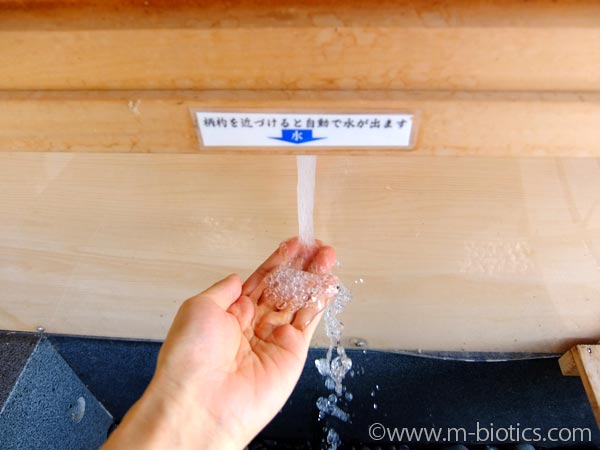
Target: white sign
<point>229,129</point>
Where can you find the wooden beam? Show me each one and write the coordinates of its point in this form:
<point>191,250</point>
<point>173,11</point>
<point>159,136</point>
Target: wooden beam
<point>584,361</point>
<point>292,44</point>
<point>451,123</point>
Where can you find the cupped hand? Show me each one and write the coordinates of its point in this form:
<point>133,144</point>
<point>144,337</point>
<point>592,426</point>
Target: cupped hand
<point>230,361</point>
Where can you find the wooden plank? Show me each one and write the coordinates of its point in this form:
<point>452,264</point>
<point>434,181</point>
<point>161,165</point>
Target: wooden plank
<point>584,360</point>
<point>452,123</point>
<point>470,253</point>
<point>568,366</point>
<point>391,44</point>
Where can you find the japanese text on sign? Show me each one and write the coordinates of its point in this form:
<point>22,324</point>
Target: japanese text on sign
<point>227,129</point>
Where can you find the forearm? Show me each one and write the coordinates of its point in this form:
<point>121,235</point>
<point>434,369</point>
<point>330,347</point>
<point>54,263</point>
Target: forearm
<point>158,422</point>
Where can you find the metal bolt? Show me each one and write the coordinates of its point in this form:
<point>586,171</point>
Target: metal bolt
<point>40,329</point>
<point>358,342</point>
<point>589,349</point>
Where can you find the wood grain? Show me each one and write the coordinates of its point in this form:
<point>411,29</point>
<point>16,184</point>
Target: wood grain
<point>430,45</point>
<point>584,361</point>
<point>489,254</point>
<point>451,123</point>
<point>498,250</point>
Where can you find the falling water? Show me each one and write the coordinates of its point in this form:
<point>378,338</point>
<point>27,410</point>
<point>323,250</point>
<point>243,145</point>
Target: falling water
<point>307,165</point>
<point>334,366</point>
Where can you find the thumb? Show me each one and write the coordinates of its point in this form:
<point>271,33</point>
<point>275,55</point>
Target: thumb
<point>224,292</point>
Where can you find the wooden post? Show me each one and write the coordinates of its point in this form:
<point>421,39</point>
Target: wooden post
<point>584,361</point>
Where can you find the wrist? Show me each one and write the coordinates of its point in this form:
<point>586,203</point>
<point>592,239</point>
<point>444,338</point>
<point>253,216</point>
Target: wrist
<point>171,418</point>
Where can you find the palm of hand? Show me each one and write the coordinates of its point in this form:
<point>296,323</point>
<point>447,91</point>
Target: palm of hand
<point>243,356</point>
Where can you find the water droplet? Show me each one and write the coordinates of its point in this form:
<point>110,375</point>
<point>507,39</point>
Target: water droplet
<point>330,383</point>
<point>77,410</point>
<point>333,439</point>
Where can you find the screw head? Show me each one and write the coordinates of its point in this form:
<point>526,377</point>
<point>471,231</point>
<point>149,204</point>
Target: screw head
<point>357,342</point>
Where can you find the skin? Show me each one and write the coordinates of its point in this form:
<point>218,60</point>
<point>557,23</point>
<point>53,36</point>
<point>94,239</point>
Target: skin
<point>228,364</point>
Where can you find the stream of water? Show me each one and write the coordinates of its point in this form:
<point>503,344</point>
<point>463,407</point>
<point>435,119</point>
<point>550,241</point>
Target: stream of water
<point>307,165</point>
<point>336,364</point>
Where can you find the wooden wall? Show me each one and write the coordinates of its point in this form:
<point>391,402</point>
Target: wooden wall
<point>485,237</point>
<point>474,253</point>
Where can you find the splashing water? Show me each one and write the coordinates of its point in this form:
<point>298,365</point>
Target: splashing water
<point>295,289</point>
<point>336,363</point>
<point>333,439</point>
<point>292,290</point>
<point>334,367</point>
<point>307,165</point>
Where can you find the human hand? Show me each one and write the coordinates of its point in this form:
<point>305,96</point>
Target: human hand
<point>230,361</point>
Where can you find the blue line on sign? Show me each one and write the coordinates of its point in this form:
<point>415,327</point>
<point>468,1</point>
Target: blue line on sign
<point>297,136</point>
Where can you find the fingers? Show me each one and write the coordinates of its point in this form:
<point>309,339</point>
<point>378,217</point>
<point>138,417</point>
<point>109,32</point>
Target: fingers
<point>286,252</point>
<point>321,264</point>
<point>243,309</point>
<point>323,261</point>
<point>309,330</point>
<point>304,256</point>
<point>305,316</point>
<point>295,340</point>
<point>270,320</point>
<point>224,292</point>
<point>317,260</point>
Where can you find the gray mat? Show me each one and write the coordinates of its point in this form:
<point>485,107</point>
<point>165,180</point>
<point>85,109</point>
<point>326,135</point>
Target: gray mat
<point>43,404</point>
